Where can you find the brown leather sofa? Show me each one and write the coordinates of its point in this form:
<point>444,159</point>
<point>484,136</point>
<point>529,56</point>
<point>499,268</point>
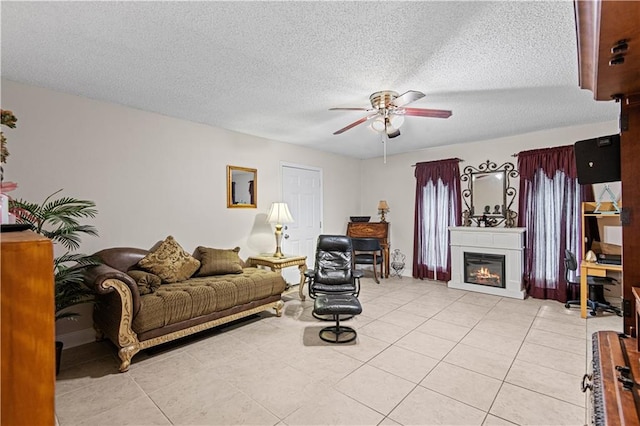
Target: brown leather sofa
<point>135,317</point>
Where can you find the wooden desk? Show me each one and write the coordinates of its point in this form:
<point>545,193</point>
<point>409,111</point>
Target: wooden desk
<point>277,264</point>
<point>594,269</point>
<point>379,230</point>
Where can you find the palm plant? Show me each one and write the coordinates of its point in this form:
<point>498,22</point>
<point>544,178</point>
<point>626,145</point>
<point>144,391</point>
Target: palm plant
<point>58,220</point>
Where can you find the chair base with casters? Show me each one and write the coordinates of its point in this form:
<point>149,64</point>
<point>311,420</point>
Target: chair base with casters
<point>336,305</point>
<point>596,298</point>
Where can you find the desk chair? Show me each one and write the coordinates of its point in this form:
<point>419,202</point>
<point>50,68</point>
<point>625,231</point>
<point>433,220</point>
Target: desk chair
<point>595,298</point>
<point>368,252</point>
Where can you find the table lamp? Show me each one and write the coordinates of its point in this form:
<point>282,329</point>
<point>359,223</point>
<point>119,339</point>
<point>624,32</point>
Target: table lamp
<point>279,214</point>
<point>383,208</point>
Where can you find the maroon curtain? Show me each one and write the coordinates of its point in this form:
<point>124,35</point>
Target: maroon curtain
<point>433,216</point>
<point>552,219</point>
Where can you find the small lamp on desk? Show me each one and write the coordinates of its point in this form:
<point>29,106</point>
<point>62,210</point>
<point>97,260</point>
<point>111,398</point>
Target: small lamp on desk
<point>279,214</point>
<point>383,208</point>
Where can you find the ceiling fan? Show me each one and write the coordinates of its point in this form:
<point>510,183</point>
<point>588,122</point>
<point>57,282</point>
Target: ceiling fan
<point>389,110</point>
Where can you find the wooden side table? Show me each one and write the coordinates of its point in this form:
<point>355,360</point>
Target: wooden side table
<point>277,264</point>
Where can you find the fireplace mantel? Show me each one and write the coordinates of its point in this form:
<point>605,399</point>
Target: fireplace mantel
<point>503,241</point>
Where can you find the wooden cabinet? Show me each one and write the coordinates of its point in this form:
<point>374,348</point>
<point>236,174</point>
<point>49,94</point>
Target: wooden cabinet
<point>28,330</point>
<point>379,230</point>
<point>600,25</point>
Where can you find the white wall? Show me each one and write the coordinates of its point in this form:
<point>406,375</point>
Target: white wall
<point>395,181</point>
<point>152,175</point>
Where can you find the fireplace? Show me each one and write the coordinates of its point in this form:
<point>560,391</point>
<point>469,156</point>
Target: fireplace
<point>498,251</point>
<point>484,269</point>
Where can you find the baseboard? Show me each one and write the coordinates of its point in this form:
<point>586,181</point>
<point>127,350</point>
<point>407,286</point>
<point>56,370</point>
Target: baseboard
<point>77,338</point>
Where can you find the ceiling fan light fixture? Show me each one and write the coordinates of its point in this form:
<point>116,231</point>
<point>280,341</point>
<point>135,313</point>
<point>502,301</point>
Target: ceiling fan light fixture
<point>378,124</point>
<point>396,121</point>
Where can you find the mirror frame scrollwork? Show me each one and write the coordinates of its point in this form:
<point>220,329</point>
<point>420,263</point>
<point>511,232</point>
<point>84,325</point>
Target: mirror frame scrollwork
<point>506,216</point>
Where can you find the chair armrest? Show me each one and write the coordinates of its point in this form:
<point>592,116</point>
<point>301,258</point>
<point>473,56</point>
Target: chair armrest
<point>94,278</point>
<point>310,273</point>
<point>358,273</point>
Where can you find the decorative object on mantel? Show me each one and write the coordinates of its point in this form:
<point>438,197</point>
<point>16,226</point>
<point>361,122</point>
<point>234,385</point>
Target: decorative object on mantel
<point>397,263</point>
<point>489,195</point>
<point>383,208</point>
<point>279,214</point>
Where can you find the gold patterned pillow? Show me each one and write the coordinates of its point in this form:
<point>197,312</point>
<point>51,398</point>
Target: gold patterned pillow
<point>218,261</point>
<point>170,262</point>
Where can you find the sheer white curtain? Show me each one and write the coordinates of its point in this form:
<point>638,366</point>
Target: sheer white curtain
<point>436,202</point>
<point>550,209</point>
<point>548,223</point>
<point>437,208</point>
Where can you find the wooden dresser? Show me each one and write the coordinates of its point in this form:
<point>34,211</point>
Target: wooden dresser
<point>379,230</point>
<point>28,330</point>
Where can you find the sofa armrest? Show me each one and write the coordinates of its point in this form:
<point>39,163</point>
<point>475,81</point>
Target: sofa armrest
<point>94,278</point>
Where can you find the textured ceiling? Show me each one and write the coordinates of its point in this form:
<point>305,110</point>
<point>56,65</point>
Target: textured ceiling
<point>273,69</point>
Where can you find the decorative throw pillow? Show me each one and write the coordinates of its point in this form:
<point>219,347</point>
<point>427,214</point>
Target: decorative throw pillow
<point>170,262</point>
<point>147,282</point>
<point>218,261</point>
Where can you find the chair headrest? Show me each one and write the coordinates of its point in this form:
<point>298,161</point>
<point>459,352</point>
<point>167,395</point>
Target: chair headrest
<point>334,243</point>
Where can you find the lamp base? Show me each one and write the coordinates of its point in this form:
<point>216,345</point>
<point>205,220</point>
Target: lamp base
<point>278,252</point>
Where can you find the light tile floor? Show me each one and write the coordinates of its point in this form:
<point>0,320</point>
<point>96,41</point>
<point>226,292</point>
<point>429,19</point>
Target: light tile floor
<point>425,355</point>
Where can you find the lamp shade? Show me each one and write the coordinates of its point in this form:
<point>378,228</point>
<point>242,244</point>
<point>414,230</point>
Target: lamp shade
<point>378,124</point>
<point>382,205</point>
<point>279,213</point>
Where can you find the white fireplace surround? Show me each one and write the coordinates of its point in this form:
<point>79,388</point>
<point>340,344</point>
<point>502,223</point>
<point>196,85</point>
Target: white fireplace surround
<point>504,241</point>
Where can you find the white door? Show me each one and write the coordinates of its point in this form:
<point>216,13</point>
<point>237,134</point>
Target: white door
<point>302,191</point>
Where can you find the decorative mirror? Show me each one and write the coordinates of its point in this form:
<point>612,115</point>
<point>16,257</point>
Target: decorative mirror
<point>489,195</point>
<point>242,187</point>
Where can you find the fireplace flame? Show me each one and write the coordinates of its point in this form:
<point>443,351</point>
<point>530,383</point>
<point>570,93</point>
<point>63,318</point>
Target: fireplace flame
<point>483,274</point>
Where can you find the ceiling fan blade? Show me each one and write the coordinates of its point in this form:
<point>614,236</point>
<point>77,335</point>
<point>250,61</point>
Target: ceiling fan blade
<point>354,124</point>
<point>349,109</point>
<point>407,97</point>
<point>422,112</point>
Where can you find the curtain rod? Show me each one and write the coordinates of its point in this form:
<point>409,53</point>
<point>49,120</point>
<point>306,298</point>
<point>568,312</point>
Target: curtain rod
<point>459,159</point>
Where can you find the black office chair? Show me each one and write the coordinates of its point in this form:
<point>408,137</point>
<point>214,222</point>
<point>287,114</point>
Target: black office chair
<point>595,299</point>
<point>368,252</point>
<point>333,273</point>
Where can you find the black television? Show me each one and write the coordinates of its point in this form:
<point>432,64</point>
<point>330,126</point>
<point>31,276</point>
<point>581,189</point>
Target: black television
<point>598,159</point>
